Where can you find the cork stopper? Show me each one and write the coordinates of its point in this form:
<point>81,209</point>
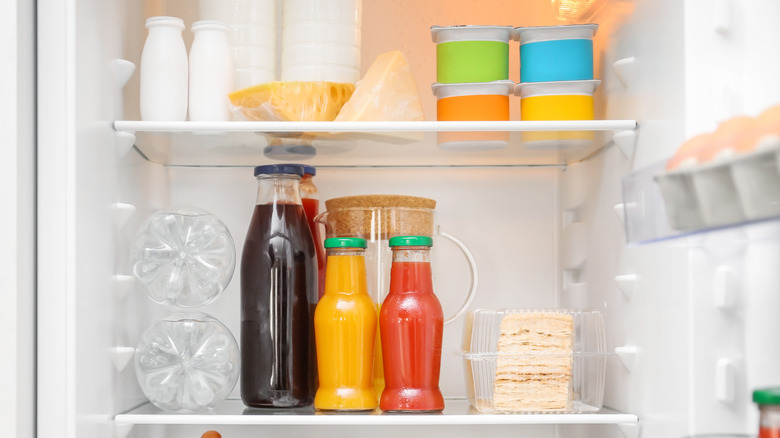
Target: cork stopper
<point>379,217</point>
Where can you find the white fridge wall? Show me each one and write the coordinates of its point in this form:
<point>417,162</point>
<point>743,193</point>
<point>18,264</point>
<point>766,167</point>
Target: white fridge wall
<point>17,224</point>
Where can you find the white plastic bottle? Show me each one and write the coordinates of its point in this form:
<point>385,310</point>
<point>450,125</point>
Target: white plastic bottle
<point>164,71</point>
<point>211,72</point>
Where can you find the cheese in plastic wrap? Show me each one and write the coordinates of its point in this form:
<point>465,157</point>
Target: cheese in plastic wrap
<point>386,92</point>
<point>292,101</point>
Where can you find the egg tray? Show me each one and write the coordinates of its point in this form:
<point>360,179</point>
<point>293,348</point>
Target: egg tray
<point>731,189</point>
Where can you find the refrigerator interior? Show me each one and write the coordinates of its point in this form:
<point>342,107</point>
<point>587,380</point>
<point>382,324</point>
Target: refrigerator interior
<point>545,228</point>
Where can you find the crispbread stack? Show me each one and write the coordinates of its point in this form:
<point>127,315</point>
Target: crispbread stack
<point>533,369</point>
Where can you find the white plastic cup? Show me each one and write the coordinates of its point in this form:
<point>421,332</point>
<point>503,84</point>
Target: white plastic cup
<point>211,72</point>
<point>164,71</point>
<point>338,11</point>
<point>248,77</point>
<point>315,31</point>
<point>321,40</point>
<point>327,73</point>
<point>248,34</point>
<point>254,56</point>
<point>261,12</point>
<point>320,54</point>
<point>252,37</point>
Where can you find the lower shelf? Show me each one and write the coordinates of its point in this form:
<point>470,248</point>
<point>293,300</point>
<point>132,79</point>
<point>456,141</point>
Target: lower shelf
<point>456,412</point>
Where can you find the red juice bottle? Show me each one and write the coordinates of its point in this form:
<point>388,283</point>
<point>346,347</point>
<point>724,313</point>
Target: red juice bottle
<point>768,400</point>
<point>310,197</point>
<point>411,324</point>
<point>278,296</point>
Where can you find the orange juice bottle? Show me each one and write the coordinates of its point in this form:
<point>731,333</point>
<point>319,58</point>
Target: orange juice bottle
<point>345,328</point>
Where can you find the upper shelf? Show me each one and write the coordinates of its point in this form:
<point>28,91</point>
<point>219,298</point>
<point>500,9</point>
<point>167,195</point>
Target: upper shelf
<point>338,144</point>
<point>456,412</point>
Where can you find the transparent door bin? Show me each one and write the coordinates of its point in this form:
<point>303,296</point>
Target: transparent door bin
<point>535,360</point>
<point>187,362</point>
<point>183,256</point>
<point>730,191</point>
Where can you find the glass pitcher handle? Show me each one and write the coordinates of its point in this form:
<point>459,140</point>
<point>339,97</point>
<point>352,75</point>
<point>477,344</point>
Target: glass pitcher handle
<point>474,276</point>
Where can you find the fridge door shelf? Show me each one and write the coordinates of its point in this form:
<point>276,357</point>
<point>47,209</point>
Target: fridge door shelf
<point>456,412</point>
<point>387,144</point>
<point>740,190</point>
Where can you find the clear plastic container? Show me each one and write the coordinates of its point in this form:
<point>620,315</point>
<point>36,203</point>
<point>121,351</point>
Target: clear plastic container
<point>183,256</point>
<point>187,362</point>
<point>535,360</point>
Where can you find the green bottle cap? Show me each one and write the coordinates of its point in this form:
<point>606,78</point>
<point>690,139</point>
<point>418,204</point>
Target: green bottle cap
<point>767,396</point>
<point>345,242</point>
<point>411,241</point>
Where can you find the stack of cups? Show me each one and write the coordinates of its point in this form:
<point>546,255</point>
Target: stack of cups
<point>321,40</point>
<point>556,81</point>
<point>472,82</point>
<point>252,37</point>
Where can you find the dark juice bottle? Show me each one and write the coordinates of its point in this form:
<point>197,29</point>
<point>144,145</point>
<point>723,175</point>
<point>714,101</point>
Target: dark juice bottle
<point>278,296</point>
<point>411,325</point>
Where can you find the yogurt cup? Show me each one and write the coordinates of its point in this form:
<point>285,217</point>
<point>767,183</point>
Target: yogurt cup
<point>479,101</point>
<point>562,100</point>
<point>471,53</point>
<point>556,53</point>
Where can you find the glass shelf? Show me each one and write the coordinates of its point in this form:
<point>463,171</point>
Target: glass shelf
<point>456,412</point>
<point>340,144</point>
<point>732,192</point>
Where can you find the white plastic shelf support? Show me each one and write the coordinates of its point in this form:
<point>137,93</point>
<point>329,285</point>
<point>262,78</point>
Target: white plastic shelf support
<point>625,69</point>
<point>627,355</point>
<point>123,142</point>
<point>725,380</point>
<point>121,213</point>
<point>630,430</point>
<point>627,284</point>
<point>122,430</point>
<point>625,142</point>
<point>123,71</point>
<point>725,288</point>
<point>122,285</point>
<point>121,356</point>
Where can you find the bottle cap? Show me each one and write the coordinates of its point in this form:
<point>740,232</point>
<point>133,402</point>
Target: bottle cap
<point>345,242</point>
<point>309,170</point>
<point>767,396</point>
<point>285,169</point>
<point>411,241</point>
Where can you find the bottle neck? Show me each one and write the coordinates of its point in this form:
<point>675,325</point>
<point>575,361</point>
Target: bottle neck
<point>346,271</point>
<point>412,254</point>
<point>346,252</point>
<point>278,189</point>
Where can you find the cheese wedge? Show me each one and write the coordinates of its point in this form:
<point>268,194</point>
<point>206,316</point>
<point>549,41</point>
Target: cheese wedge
<point>292,101</point>
<point>386,93</point>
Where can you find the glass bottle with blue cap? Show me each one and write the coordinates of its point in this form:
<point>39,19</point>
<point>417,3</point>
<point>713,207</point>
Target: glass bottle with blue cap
<point>278,295</point>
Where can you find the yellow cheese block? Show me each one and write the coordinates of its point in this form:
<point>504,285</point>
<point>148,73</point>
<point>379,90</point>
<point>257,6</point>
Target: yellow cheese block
<point>292,101</point>
<point>386,92</point>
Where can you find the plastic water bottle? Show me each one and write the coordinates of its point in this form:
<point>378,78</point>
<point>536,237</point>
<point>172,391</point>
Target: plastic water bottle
<point>183,256</point>
<point>187,362</point>
<point>211,72</point>
<point>164,71</point>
